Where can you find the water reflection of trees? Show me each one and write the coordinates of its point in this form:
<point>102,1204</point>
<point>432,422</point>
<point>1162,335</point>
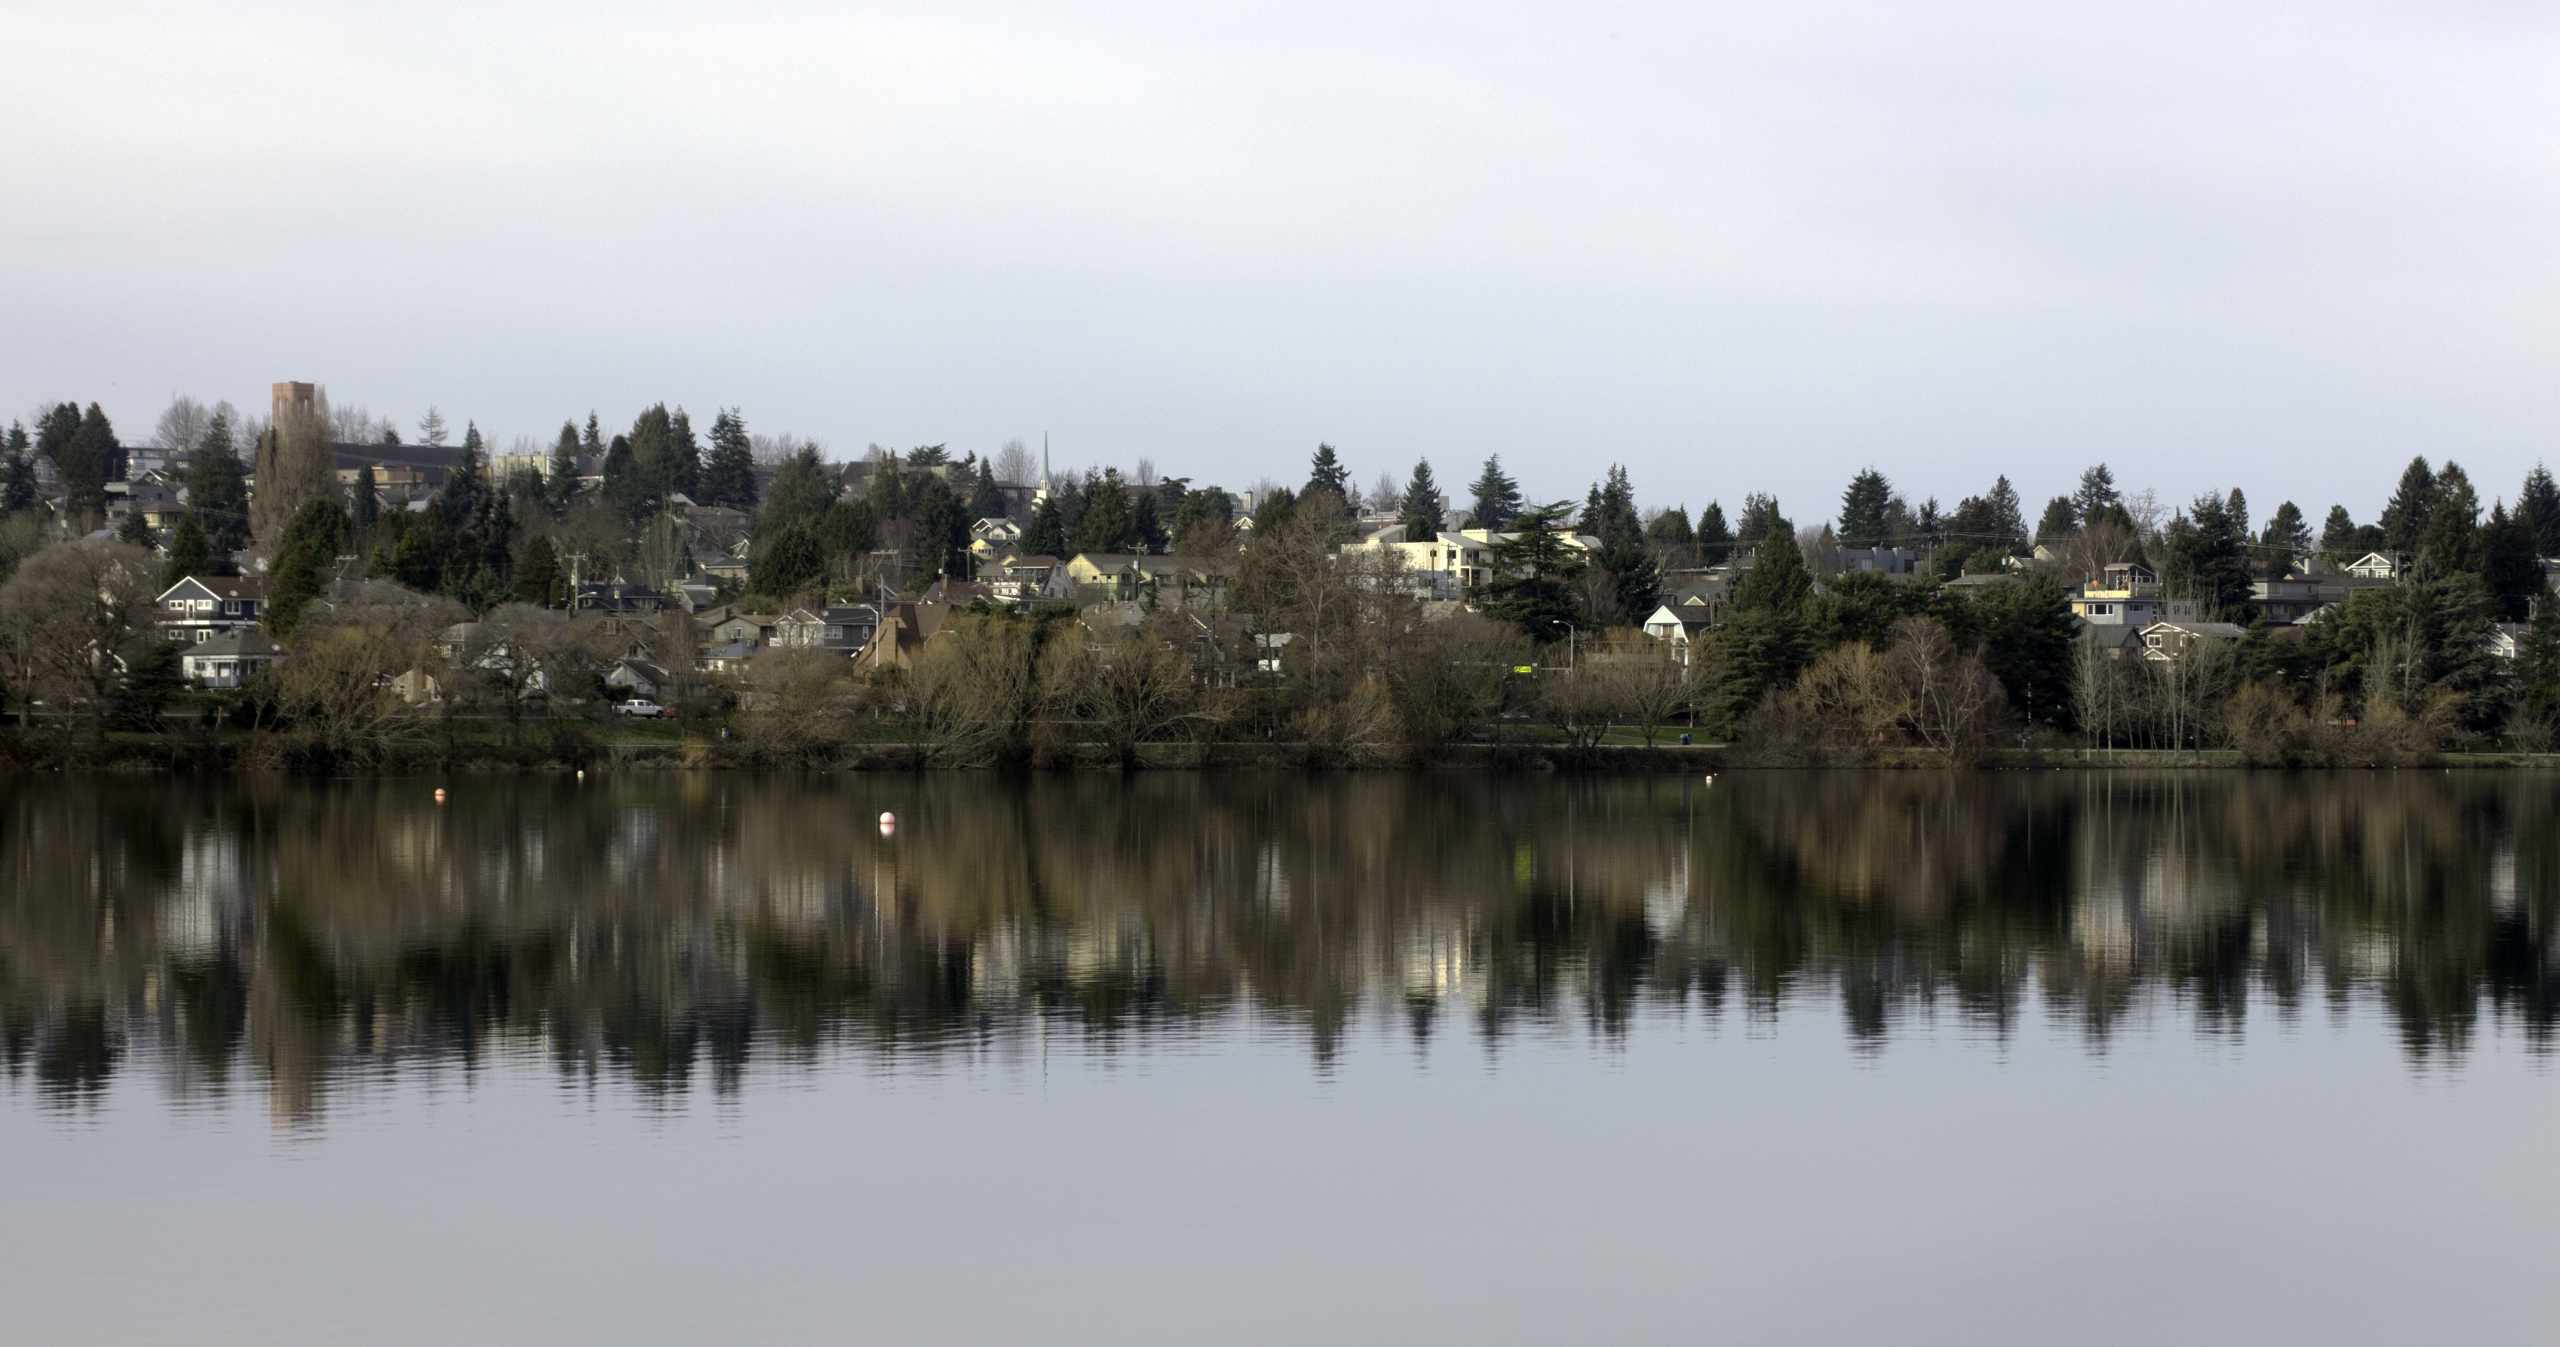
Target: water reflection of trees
<point>657,931</point>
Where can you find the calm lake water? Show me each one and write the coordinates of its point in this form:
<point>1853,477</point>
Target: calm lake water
<point>2024,1058</point>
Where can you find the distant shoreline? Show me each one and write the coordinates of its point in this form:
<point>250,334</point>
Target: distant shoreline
<point>52,754</point>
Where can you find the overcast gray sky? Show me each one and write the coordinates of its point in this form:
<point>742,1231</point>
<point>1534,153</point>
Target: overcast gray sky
<point>1738,247</point>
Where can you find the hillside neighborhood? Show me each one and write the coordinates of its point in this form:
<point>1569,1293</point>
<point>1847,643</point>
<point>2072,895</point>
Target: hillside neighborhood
<point>313,573</point>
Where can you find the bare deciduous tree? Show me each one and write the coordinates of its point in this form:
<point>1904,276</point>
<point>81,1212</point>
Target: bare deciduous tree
<point>1016,465</point>
<point>335,685</point>
<point>182,424</point>
<point>799,703</point>
<point>1952,696</point>
<point>1129,688</point>
<point>71,618</point>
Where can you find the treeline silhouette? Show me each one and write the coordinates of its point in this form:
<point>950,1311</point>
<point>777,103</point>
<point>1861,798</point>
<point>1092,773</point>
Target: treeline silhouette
<point>664,932</point>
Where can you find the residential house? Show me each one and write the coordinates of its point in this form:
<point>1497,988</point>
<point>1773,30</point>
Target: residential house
<point>2123,594</point>
<point>616,596</point>
<point>199,608</point>
<point>228,659</point>
<point>1443,566</point>
<point>2374,566</point>
<point>730,658</point>
<point>904,628</point>
<point>1895,561</point>
<point>990,539</point>
<point>1683,628</point>
<point>842,629</point>
<point>1025,580</point>
<point>2506,640</point>
<point>635,677</point>
<point>754,630</point>
<point>2286,598</point>
<point>2168,641</point>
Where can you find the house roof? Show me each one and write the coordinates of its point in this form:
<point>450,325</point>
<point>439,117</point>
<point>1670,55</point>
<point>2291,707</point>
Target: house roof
<point>220,586</point>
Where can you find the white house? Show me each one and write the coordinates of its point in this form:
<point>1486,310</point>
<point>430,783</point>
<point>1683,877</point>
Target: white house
<point>227,660</point>
<point>1682,627</point>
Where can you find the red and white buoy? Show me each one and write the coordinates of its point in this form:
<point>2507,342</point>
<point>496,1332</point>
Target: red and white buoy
<point>888,824</point>
<point>439,795</point>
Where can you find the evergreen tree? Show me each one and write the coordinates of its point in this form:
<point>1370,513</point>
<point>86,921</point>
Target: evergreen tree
<point>1673,540</point>
<point>2236,505</point>
<point>2208,560</point>
<point>17,473</point>
<point>134,532</point>
<point>2060,521</point>
<point>1635,577</point>
<point>1149,528</point>
<point>1422,519</point>
<point>802,490</point>
<point>218,488</point>
<point>1533,574</point>
<point>938,536</point>
<point>1863,508</point>
<point>1047,536</point>
<point>2538,664</point>
<point>1275,509</point>
<point>985,500</point>
<point>306,555</point>
<point>888,489</point>
<point>368,500</point>
<point>1497,497</point>
<point>2008,517</point>
<point>87,463</point>
<point>847,533</point>
<point>2287,539</point>
<point>431,429</point>
<point>2508,564</point>
<point>2450,541</point>
<point>538,579</point>
<point>684,458</point>
<point>2404,516</point>
<point>657,458</point>
<point>591,443</point>
<point>2339,537</point>
<point>2097,494</point>
<point>1761,521</point>
<point>2026,634</point>
<point>626,490</point>
<point>190,552</point>
<point>561,483</point>
<point>789,558</point>
<point>1326,473</point>
<point>2538,506</point>
<point>1108,524</point>
<point>1777,581</point>
<point>928,456</point>
<point>729,476</point>
<point>1715,541</point>
<point>466,489</point>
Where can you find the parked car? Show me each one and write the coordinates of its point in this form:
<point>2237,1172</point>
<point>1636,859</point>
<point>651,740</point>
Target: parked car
<point>642,707</point>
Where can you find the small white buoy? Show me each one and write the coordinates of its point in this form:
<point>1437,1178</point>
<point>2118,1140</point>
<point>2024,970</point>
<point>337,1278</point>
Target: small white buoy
<point>1711,778</point>
<point>439,795</point>
<point>887,819</point>
<point>582,774</point>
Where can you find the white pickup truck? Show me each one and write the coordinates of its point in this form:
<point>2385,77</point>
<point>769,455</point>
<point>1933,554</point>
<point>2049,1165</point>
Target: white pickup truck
<point>642,707</point>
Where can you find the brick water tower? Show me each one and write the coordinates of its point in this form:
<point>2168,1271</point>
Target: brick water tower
<point>293,397</point>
